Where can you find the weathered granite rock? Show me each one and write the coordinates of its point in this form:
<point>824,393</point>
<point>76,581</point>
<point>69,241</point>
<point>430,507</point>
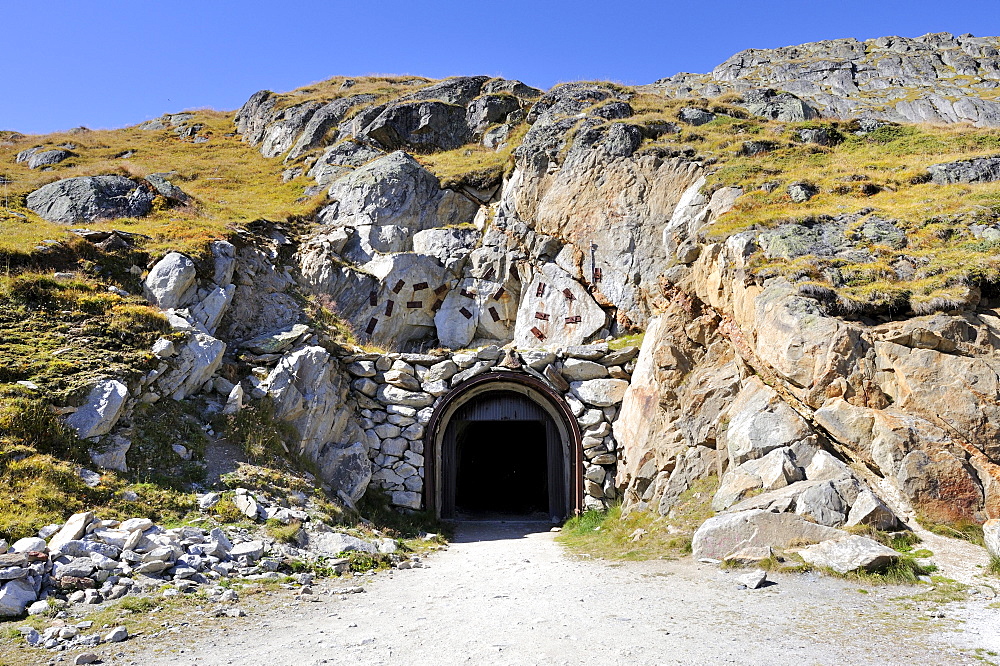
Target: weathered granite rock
<point>171,282</point>
<point>546,293</point>
<point>90,198</point>
<point>844,78</point>
<point>979,170</point>
<point>761,422</point>
<point>600,392</point>
<point>112,453</point>
<point>387,201</point>
<point>99,414</point>
<point>73,529</point>
<point>198,359</point>
<point>15,596</point>
<point>335,543</point>
<point>48,158</point>
<point>851,553</point>
<point>309,393</point>
<point>731,532</point>
<point>420,125</point>
<point>991,535</point>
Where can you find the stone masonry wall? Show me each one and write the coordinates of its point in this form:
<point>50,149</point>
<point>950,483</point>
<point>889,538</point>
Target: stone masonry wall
<point>396,395</point>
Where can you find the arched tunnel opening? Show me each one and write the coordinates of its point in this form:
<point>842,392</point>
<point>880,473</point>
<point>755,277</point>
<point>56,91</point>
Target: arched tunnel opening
<point>503,449</point>
<point>501,467</point>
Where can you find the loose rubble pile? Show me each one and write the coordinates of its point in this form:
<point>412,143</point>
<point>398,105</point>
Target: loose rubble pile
<point>90,561</point>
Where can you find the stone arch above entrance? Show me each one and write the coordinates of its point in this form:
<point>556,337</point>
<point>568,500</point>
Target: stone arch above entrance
<point>541,429</point>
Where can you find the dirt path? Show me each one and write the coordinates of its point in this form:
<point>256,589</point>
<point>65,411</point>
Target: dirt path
<point>508,594</point>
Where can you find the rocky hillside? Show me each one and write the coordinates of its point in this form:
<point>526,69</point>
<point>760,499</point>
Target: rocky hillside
<point>937,78</point>
<point>807,238</point>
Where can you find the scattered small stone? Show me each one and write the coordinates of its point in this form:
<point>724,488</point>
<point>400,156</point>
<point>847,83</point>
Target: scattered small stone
<point>116,635</point>
<point>753,580</point>
<point>86,658</point>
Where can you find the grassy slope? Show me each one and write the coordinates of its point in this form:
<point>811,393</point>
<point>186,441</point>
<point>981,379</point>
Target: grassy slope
<point>230,182</point>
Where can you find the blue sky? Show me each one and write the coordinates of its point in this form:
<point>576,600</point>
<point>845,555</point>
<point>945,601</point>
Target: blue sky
<point>110,63</point>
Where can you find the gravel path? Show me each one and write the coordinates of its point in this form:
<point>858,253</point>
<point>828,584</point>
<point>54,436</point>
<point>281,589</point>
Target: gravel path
<point>506,593</point>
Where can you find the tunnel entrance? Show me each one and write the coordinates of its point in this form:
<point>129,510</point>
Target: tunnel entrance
<point>503,449</point>
<point>501,467</point>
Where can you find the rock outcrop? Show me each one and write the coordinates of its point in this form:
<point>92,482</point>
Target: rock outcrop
<point>934,78</point>
<point>90,198</point>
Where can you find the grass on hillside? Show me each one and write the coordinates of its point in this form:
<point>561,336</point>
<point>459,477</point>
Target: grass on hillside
<point>383,87</point>
<point>641,535</point>
<point>229,180</point>
<point>62,333</point>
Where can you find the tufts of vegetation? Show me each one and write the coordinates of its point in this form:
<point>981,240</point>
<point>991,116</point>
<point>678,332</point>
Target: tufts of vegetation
<point>993,565</point>
<point>901,541</point>
<point>40,490</point>
<point>376,508</point>
<point>256,430</point>
<point>63,334</point>
<point>966,530</point>
<point>156,429</point>
<point>384,87</point>
<point>283,533</point>
<point>904,571</point>
<point>633,340</point>
<point>641,535</point>
<point>475,166</point>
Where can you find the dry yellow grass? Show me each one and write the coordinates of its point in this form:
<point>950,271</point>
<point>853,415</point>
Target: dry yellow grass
<point>230,181</point>
<point>384,87</point>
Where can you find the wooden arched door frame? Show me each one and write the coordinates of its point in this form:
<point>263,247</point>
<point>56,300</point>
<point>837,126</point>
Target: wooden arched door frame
<point>534,389</point>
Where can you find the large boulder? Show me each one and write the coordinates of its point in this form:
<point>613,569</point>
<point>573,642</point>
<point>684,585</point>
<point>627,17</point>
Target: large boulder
<point>171,282</point>
<point>48,158</point>
<point>99,414</point>
<point>309,394</point>
<point>347,469</point>
<point>556,310</point>
<point>323,120</point>
<point>198,359</point>
<point>784,107</point>
<point>851,553</point>
<point>341,159</point>
<point>332,544</point>
<point>728,533</point>
<point>978,170</point>
<point>387,201</point>
<point>392,302</point>
<point>90,198</point>
<point>420,125</point>
<point>760,421</point>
